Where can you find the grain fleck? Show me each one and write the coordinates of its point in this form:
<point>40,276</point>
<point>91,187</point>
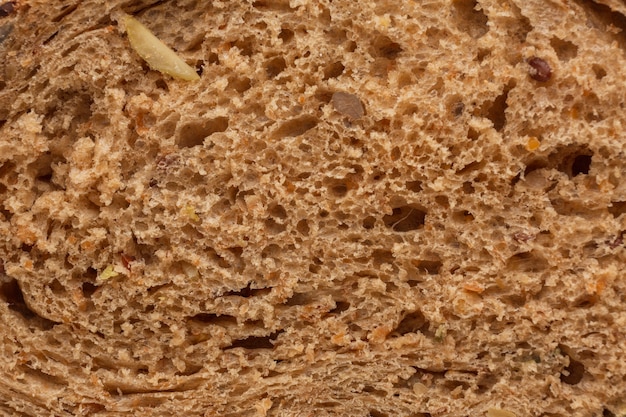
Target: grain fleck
<point>539,69</point>
<point>348,105</point>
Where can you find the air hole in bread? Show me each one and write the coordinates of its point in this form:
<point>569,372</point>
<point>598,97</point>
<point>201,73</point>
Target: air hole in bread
<point>412,322</point>
<point>573,160</point>
<point>211,254</point>
<point>277,211</point>
<point>233,258</point>
<point>455,387</point>
<point>376,413</point>
<point>43,170</point>
<point>516,300</point>
<point>275,66</point>
<point>590,249</point>
<point>443,201</point>
<point>472,166</point>
<point>527,262</point>
<point>340,307</point>
<point>11,293</point>
<point>617,208</point>
<point>87,408</point>
<point>581,165</point>
<point>333,70</point>
<point>256,342</point>
<point>57,288</point>
<point>323,96</point>
<point>286,35</point>
<point>214,59</point>
<point>174,186</point>
<point>482,54</point>
<point>472,134</point>
<point>38,377</point>
<point>191,232</point>
<point>599,71</point>
<point>76,103</point>
<point>300,299</point>
<point>33,72</point>
<point>468,188</point>
<point>428,266</point>
<point>564,49</point>
<point>496,110</point>
<point>608,413</point>
<point>303,227</point>
<point>305,147</point>
<point>520,26</point>
<point>486,382</point>
<point>602,16</point>
<point>248,292</point>
<point>337,187</point>
<point>239,84</point>
<point>6,214</point>
<point>161,85</point>
<point>145,395</point>
<point>573,373</point>
<point>405,218</point>
<point>223,320</point>
<point>89,289</point>
<point>369,222</point>
<point>246,45</point>
<point>470,18</point>
<point>462,216</point>
<point>274,227</point>
<point>351,46</point>
<point>194,133</point>
<point>384,47</point>
<point>382,257</point>
<point>273,5</point>
<point>65,11</point>
<point>414,186</point>
<point>585,301</point>
<point>296,127</point>
<point>455,106</point>
<point>382,125</point>
<point>50,38</point>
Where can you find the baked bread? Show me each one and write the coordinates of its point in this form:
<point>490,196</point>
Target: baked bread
<point>372,208</point>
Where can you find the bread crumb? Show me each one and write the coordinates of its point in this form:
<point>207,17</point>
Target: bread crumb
<point>379,334</point>
<point>419,388</point>
<point>190,212</point>
<point>339,339</point>
<point>263,406</point>
<point>498,412</point>
<point>190,270</point>
<point>473,287</point>
<point>383,22</point>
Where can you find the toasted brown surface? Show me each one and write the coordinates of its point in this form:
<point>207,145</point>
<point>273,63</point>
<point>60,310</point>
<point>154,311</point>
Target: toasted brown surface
<point>372,208</point>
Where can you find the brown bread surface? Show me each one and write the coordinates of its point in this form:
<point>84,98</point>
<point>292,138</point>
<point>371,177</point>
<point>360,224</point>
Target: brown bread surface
<point>362,208</point>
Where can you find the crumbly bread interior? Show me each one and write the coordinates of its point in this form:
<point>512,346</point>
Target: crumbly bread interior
<point>363,208</point>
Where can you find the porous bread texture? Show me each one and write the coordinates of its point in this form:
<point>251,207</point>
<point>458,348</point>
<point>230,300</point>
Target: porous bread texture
<point>362,209</point>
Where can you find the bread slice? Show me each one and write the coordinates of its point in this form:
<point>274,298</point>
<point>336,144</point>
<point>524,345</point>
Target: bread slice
<point>362,208</point>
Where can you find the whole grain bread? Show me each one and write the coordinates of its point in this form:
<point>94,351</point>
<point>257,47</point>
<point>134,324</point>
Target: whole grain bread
<point>362,208</point>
